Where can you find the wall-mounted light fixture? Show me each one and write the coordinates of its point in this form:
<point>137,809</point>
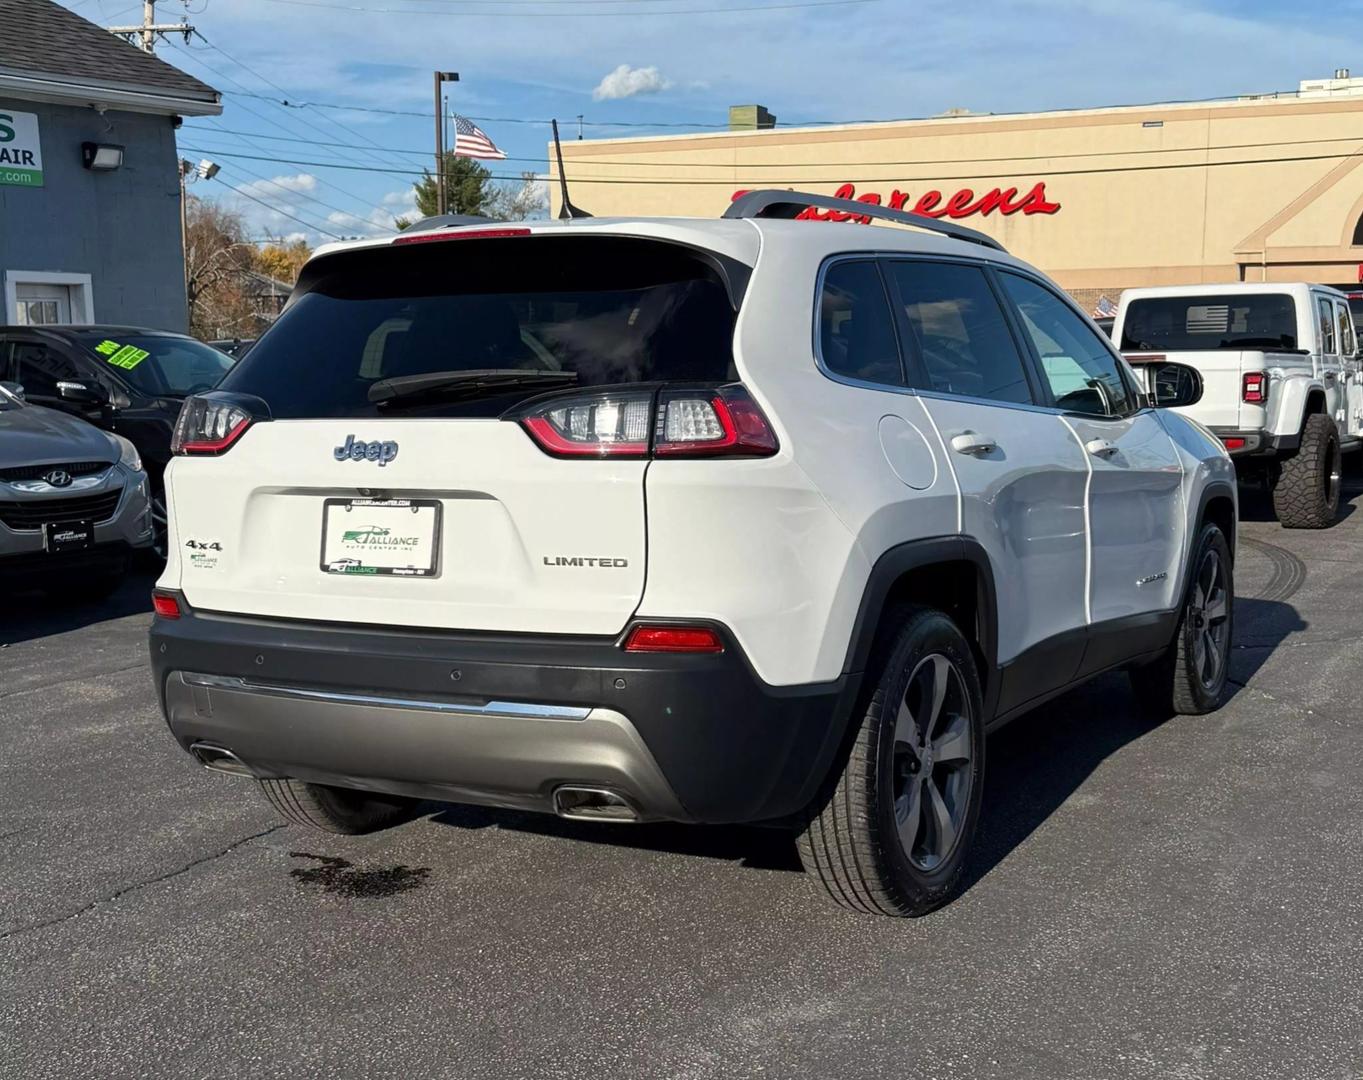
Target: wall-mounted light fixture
<point>101,157</point>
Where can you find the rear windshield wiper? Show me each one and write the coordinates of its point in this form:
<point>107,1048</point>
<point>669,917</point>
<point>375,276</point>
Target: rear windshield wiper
<point>464,384</point>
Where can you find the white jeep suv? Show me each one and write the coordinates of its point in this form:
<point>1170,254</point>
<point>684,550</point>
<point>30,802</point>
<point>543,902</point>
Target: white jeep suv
<point>743,520</point>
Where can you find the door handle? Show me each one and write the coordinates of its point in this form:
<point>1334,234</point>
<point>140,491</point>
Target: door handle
<point>969,442</point>
<point>1100,448</point>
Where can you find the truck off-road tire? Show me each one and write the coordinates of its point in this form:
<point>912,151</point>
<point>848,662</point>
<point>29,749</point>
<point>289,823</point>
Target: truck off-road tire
<point>1190,678</point>
<point>335,809</point>
<point>1306,494</point>
<point>892,836</point>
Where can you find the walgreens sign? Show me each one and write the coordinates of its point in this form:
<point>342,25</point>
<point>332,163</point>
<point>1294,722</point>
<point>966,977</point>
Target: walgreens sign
<point>932,203</point>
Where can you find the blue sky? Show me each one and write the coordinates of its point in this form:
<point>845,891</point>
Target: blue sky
<point>528,60</point>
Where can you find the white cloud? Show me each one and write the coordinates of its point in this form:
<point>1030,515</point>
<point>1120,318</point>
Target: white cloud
<point>281,188</point>
<point>626,81</point>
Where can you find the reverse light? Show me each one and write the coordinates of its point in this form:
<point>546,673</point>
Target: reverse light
<point>1254,388</point>
<point>674,639</point>
<point>210,424</point>
<point>678,423</point>
<point>165,604</point>
<point>593,425</point>
<point>452,234</point>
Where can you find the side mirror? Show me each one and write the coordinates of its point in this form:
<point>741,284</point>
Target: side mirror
<point>13,389</point>
<point>79,393</point>
<point>1171,386</point>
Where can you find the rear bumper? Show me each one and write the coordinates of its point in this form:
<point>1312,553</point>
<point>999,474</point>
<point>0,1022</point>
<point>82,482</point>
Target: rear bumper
<point>499,720</point>
<point>1255,443</point>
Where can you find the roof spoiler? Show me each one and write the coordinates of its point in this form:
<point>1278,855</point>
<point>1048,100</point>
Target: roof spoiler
<point>447,221</point>
<point>774,203</point>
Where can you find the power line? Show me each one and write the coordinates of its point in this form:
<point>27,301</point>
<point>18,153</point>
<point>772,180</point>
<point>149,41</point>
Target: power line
<point>692,125</point>
<point>276,210</point>
<point>575,160</point>
<point>309,198</point>
<point>570,14</point>
<point>268,82</point>
<point>784,182</point>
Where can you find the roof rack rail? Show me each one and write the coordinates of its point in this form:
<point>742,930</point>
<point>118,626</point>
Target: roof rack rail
<point>774,203</point>
<point>447,221</point>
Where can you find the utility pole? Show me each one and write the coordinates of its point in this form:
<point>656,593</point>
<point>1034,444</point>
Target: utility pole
<point>440,77</point>
<point>146,34</point>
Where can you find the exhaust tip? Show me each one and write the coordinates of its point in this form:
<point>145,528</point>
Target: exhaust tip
<point>219,760</point>
<point>593,804</point>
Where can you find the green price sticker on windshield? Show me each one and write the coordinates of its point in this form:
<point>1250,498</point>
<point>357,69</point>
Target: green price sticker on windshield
<point>123,356</point>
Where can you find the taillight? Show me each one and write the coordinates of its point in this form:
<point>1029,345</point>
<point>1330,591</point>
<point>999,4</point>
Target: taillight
<point>1233,442</point>
<point>166,604</point>
<point>674,639</point>
<point>674,423</point>
<point>210,424</point>
<point>726,421</point>
<point>593,425</point>
<point>1254,388</point>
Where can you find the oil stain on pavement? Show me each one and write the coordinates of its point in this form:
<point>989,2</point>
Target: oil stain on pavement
<point>340,878</point>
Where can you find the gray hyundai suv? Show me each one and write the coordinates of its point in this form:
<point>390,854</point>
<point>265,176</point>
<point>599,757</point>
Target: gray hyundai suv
<point>74,504</point>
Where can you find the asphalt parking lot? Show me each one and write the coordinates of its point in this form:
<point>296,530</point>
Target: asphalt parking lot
<point>1177,899</point>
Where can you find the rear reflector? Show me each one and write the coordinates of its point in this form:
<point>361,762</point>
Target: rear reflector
<point>674,639</point>
<point>165,604</point>
<point>1254,388</point>
<point>455,234</point>
<point>1234,444</point>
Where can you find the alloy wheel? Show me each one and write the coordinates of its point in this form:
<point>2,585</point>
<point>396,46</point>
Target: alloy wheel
<point>1209,615</point>
<point>933,751</point>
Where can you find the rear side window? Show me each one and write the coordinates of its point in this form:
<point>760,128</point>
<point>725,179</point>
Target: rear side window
<point>961,338</point>
<point>856,328</point>
<point>1210,321</point>
<point>535,314</point>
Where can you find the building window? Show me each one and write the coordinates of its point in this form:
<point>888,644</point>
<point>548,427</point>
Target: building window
<point>1358,232</point>
<point>47,298</point>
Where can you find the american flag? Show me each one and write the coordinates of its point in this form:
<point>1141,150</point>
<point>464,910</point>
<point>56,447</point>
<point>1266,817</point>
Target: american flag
<point>471,141</point>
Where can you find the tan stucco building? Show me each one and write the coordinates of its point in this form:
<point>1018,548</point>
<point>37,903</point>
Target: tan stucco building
<point>1258,188</point>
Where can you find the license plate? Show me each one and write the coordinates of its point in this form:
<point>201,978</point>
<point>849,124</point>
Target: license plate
<point>369,537</point>
<point>72,536</point>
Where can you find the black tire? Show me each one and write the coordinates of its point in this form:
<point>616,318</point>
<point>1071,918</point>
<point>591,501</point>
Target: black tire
<point>1306,491</point>
<point>851,843</point>
<point>1183,680</point>
<point>337,810</point>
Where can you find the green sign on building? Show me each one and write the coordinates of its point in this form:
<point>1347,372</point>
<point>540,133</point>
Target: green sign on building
<point>21,156</point>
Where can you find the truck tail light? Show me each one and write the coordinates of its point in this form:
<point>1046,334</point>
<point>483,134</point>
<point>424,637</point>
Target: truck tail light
<point>1254,388</point>
<point>674,639</point>
<point>212,423</point>
<point>674,423</point>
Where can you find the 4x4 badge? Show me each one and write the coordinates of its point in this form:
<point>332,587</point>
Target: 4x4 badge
<point>354,449</point>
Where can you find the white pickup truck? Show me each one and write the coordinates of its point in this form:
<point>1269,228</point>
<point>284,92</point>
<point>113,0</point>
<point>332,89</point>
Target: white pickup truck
<point>1281,379</point>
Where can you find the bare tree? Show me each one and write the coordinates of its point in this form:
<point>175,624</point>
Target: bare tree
<point>216,256</point>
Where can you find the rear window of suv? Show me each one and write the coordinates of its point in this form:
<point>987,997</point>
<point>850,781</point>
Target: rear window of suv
<point>1193,323</point>
<point>505,319</point>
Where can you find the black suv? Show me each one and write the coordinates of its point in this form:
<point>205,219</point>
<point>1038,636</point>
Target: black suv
<point>125,379</point>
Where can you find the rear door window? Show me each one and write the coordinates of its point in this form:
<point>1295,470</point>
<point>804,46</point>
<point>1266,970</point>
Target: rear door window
<point>467,327</point>
<point>960,337</point>
<point>1325,317</point>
